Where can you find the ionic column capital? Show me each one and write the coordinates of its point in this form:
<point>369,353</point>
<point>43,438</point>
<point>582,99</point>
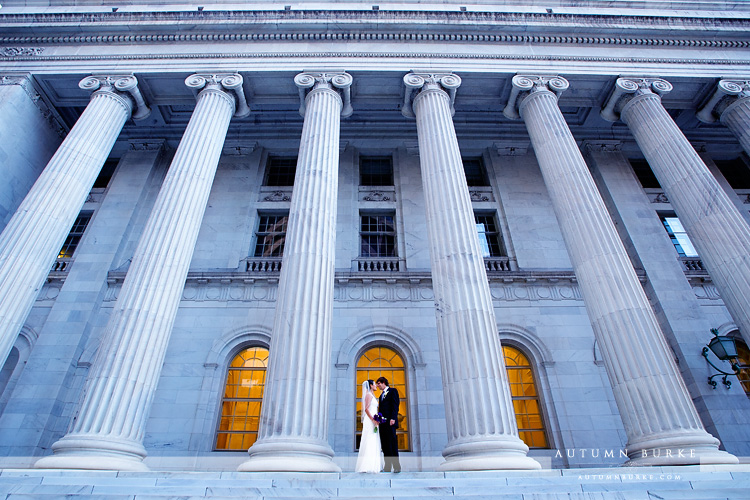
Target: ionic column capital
<point>124,86</point>
<point>415,83</point>
<point>526,85</point>
<point>228,83</point>
<point>339,82</point>
<point>626,89</point>
<point>727,92</point>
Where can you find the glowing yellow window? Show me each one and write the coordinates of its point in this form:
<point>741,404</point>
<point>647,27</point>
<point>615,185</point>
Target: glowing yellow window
<point>525,398</point>
<point>743,356</point>
<point>243,396</point>
<point>384,362</point>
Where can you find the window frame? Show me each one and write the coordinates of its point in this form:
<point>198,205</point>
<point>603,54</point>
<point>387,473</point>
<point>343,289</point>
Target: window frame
<point>268,175</point>
<point>675,237</point>
<point>74,237</point>
<point>481,176</point>
<point>393,234</point>
<point>265,234</point>
<point>498,233</point>
<point>403,397</point>
<point>532,367</point>
<point>222,397</point>
<point>743,377</point>
<point>365,158</point>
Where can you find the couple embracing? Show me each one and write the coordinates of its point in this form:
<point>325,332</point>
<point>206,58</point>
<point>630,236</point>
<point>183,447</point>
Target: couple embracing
<point>379,424</point>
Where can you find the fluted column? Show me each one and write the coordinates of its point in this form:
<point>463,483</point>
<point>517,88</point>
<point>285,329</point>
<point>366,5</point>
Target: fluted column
<point>659,417</point>
<point>32,238</point>
<point>731,104</point>
<point>481,424</point>
<point>293,433</point>
<point>108,431</point>
<point>715,226</point>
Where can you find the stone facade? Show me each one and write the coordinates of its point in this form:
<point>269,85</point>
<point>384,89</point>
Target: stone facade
<point>118,357</point>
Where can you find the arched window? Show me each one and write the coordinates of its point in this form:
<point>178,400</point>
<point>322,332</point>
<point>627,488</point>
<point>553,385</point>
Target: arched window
<point>379,362</point>
<point>243,396</point>
<point>525,398</point>
<point>743,356</point>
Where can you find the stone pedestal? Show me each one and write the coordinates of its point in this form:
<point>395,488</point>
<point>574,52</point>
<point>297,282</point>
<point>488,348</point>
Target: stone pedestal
<point>482,431</point>
<point>660,419</point>
<point>34,235</point>
<point>293,433</point>
<point>108,432</point>
<point>716,228</point>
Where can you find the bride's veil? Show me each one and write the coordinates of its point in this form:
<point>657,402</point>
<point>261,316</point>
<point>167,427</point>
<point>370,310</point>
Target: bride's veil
<point>365,391</point>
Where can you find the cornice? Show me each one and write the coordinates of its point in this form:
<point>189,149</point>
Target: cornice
<point>138,39</point>
<point>389,55</point>
<point>547,19</point>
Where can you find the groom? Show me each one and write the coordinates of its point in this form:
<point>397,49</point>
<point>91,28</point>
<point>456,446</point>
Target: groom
<point>388,407</point>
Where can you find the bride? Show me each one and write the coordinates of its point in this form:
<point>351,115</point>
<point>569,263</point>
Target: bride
<point>369,459</point>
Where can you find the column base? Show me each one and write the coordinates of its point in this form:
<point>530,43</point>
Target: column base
<point>289,455</point>
<point>488,453</point>
<point>691,449</point>
<point>94,452</point>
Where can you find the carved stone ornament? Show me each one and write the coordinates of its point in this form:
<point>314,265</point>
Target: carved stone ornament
<point>235,148</point>
<point>525,85</point>
<point>415,82</point>
<point>21,51</point>
<point>727,92</point>
<point>660,198</point>
<point>505,149</point>
<point>121,84</point>
<point>231,83</point>
<point>746,199</point>
<point>628,88</point>
<point>311,80</point>
<point>602,146</point>
<point>478,196</point>
<point>376,196</point>
<point>278,196</point>
<point>147,144</point>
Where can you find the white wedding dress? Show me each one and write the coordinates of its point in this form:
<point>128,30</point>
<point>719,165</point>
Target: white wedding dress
<point>369,458</point>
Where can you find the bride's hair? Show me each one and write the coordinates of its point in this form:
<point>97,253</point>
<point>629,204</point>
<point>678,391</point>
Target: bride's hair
<point>366,389</point>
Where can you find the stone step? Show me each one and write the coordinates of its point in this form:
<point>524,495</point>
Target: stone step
<point>725,494</point>
<point>665,483</point>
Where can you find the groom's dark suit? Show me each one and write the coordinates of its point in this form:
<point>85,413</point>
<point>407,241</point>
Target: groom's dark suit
<point>388,407</point>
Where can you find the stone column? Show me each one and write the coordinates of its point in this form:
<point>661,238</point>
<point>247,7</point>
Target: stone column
<point>482,431</point>
<point>715,226</point>
<point>659,417</point>
<point>293,433</point>
<point>108,431</point>
<point>32,238</point>
<point>731,104</point>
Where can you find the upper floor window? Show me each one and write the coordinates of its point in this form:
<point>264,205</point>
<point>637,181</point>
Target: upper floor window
<point>280,171</point>
<point>271,235</point>
<point>490,239</point>
<point>242,400</point>
<point>75,235</point>
<point>376,171</point>
<point>378,235</point>
<point>105,175</point>
<point>476,174</point>
<point>645,175</point>
<point>679,237</point>
<point>735,172</point>
<point>379,362</point>
<point>525,397</point>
